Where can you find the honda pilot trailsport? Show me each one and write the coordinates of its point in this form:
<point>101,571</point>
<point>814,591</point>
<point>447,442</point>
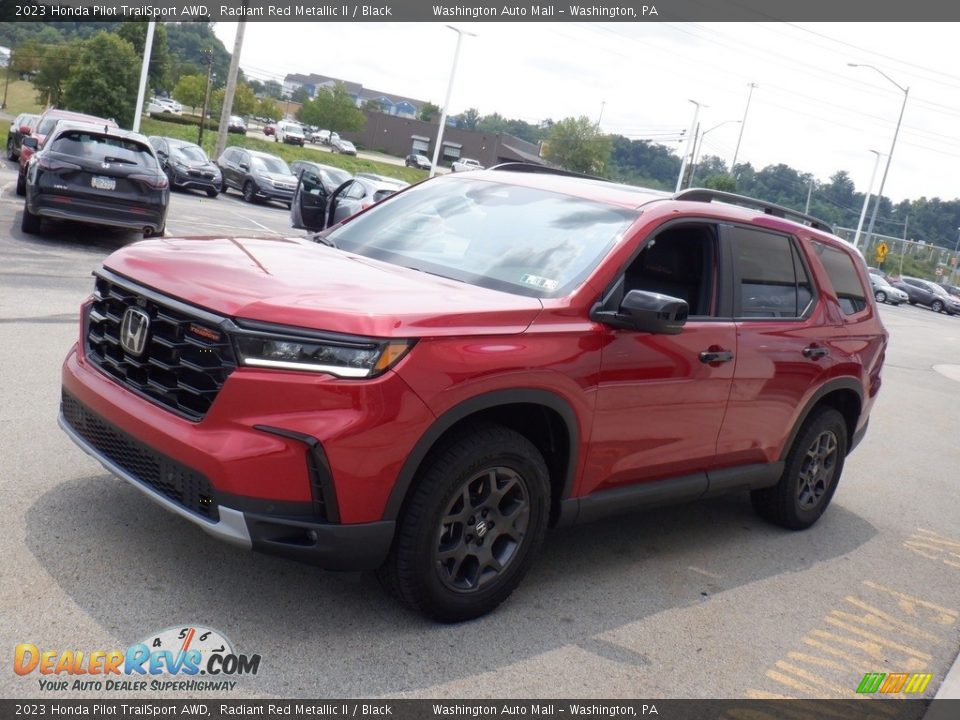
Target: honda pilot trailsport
<point>428,386</point>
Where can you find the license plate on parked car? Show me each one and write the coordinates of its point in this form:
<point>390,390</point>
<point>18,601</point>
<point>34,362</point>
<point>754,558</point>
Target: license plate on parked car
<point>103,183</point>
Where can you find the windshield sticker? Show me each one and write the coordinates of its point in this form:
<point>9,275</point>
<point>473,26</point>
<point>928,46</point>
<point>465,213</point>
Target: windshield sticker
<point>540,282</point>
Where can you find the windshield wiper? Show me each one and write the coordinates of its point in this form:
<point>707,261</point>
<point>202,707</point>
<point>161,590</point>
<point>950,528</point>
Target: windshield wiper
<point>121,161</point>
<point>321,237</point>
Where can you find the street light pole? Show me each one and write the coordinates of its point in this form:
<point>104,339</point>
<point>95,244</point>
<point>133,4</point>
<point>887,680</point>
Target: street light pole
<point>698,146</point>
<point>446,103</point>
<point>144,70</point>
<point>690,138</point>
<point>866,200</point>
<point>956,249</point>
<point>896,132</point>
<point>743,124</point>
<point>600,116</point>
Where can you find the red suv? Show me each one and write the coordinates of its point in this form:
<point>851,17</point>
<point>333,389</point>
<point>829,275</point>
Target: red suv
<point>47,122</point>
<point>427,386</point>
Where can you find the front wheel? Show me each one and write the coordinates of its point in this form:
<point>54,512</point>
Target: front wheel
<point>936,306</point>
<point>21,185</point>
<point>881,296</point>
<point>472,526</point>
<point>213,192</point>
<point>810,474</point>
<point>249,192</point>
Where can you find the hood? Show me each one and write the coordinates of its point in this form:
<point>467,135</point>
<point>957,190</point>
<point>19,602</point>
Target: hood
<point>305,284</point>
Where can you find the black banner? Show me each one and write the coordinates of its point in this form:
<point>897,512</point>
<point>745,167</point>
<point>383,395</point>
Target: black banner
<point>866,709</point>
<point>482,10</point>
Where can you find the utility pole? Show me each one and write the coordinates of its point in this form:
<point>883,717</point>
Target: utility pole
<point>144,70</point>
<point>6,85</point>
<point>743,124</point>
<point>231,88</point>
<point>690,139</point>
<point>208,58</point>
<point>806,210</point>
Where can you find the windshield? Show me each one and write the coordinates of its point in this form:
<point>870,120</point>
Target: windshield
<point>335,177</point>
<point>270,165</point>
<point>520,240</point>
<point>190,153</point>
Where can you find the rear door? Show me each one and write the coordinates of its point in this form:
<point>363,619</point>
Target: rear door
<point>784,348</point>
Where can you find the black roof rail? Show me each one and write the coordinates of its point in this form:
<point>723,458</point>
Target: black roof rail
<point>529,167</point>
<point>708,195</point>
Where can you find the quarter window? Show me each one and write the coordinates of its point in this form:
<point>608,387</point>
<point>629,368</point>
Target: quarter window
<point>844,278</point>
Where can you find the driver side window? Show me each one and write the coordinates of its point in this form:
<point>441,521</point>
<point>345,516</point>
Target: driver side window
<point>681,262</point>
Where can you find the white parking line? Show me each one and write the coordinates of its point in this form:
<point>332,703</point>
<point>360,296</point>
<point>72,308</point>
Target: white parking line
<point>261,225</point>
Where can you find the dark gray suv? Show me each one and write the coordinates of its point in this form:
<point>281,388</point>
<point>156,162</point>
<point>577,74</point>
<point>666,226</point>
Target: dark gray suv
<point>258,175</point>
<point>928,294</point>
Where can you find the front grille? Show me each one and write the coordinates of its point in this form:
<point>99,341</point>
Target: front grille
<point>185,487</point>
<point>185,361</point>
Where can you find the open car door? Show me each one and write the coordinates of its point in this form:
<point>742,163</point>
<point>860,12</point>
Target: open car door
<point>310,202</point>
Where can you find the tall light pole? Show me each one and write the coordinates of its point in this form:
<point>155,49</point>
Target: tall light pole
<point>866,200</point>
<point>231,88</point>
<point>886,168</point>
<point>600,116</point>
<point>446,103</point>
<point>698,146</point>
<point>743,124</point>
<point>144,69</point>
<point>690,137</point>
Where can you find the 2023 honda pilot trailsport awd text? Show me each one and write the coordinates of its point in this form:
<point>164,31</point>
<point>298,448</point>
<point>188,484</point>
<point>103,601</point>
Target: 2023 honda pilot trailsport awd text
<point>428,386</point>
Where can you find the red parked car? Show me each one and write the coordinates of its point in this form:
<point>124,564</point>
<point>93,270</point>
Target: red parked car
<point>47,122</point>
<point>435,381</point>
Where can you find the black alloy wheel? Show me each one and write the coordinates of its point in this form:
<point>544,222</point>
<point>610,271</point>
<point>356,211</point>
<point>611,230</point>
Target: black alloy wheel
<point>482,529</point>
<point>471,525</point>
<point>811,471</point>
<point>249,192</point>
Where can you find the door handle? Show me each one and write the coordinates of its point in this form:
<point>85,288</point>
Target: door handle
<point>715,356</point>
<point>815,352</point>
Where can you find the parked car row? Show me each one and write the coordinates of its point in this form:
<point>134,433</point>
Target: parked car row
<point>22,126</point>
<point>939,297</point>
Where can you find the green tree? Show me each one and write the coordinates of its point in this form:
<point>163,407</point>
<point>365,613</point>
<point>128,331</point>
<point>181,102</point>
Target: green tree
<point>468,119</point>
<point>576,144</point>
<point>161,65</point>
<point>104,79</point>
<point>273,89</point>
<point>244,101</point>
<point>55,67</point>
<point>300,95</point>
<point>267,108</point>
<point>333,109</point>
<point>722,182</point>
<point>427,111</point>
<point>190,90</point>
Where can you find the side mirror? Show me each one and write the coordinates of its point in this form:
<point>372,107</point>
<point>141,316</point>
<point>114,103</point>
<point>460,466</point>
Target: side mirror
<point>646,311</point>
<point>25,130</point>
<point>30,142</point>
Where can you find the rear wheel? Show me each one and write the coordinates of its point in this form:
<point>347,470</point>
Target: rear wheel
<point>30,223</point>
<point>810,474</point>
<point>11,153</point>
<point>249,193</point>
<point>472,526</point>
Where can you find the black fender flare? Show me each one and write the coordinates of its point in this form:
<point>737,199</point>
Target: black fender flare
<point>842,383</point>
<point>485,401</point>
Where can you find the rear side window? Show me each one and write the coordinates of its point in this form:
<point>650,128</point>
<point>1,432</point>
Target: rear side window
<point>92,146</point>
<point>772,282</point>
<point>844,278</point>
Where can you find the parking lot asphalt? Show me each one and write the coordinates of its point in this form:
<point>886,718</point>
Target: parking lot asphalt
<point>703,600</point>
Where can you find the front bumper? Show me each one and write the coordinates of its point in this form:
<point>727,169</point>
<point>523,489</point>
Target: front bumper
<point>361,546</point>
<point>198,182</point>
<point>269,192</point>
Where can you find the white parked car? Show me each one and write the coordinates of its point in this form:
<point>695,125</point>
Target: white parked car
<point>466,164</point>
<point>289,133</point>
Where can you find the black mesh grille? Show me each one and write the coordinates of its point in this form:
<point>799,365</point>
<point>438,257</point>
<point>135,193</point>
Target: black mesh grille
<point>184,486</point>
<point>185,361</point>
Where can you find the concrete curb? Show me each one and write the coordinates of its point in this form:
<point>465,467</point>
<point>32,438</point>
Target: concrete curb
<point>950,687</point>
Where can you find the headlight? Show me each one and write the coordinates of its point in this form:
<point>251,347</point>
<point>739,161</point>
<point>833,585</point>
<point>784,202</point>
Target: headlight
<point>342,358</point>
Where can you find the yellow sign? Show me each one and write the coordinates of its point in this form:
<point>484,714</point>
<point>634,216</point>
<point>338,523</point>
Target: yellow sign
<point>882,251</point>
